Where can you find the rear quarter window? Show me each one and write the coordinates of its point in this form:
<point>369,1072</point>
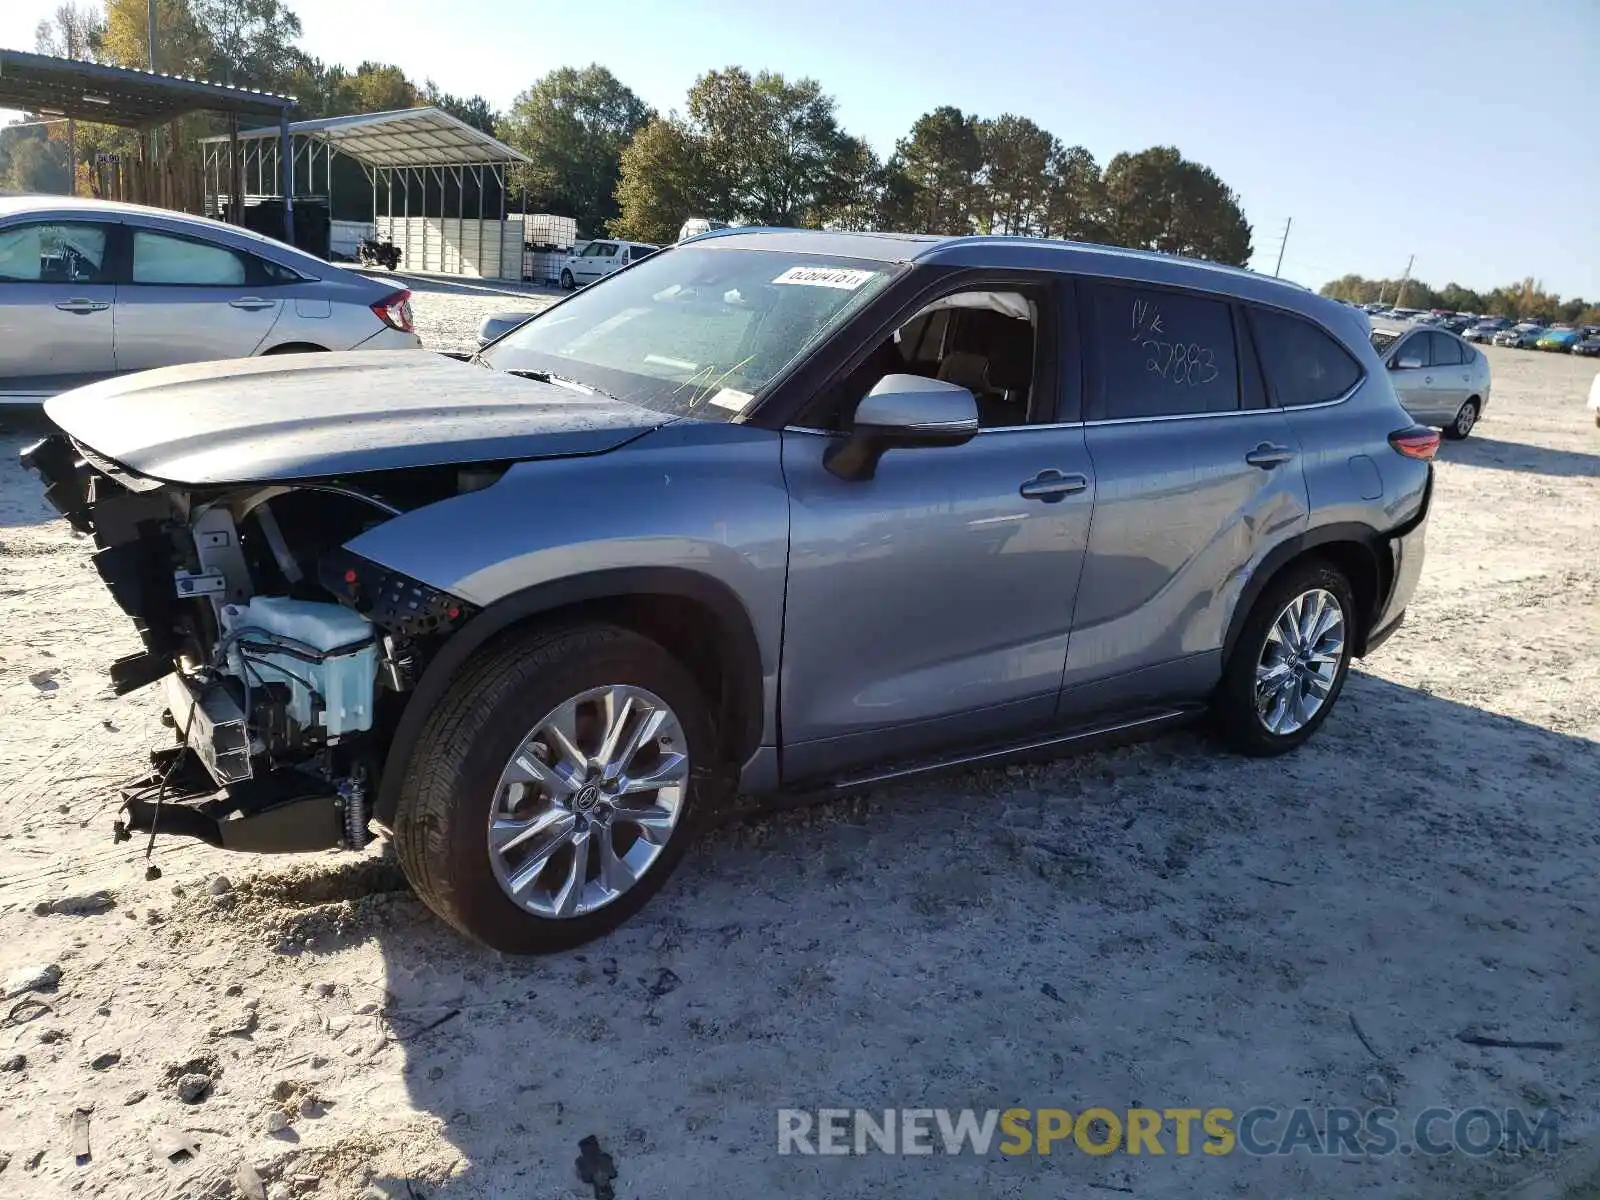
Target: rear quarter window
<point>1163,353</point>
<point>1303,364</point>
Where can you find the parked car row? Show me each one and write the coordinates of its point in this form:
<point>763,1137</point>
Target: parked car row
<point>90,289</point>
<point>1498,331</point>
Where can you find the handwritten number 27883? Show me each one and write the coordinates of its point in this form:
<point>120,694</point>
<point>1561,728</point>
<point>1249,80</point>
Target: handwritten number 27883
<point>1184,364</point>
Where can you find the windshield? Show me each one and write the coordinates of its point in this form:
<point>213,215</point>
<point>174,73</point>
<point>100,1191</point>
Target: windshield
<point>692,331</point>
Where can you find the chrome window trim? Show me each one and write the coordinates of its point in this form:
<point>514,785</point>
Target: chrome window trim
<point>1237,412</point>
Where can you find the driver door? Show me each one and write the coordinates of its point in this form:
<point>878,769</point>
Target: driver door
<point>929,607</point>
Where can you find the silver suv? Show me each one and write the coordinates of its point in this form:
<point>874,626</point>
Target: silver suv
<point>769,510</point>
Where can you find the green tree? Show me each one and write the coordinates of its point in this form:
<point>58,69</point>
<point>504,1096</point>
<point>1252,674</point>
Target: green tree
<point>378,87</point>
<point>1159,200</point>
<point>474,110</point>
<point>1074,199</point>
<point>775,149</point>
<point>1017,155</point>
<point>1459,299</point>
<point>663,181</point>
<point>853,193</point>
<point>573,125</point>
<point>251,43</point>
<point>31,161</point>
<point>938,163</point>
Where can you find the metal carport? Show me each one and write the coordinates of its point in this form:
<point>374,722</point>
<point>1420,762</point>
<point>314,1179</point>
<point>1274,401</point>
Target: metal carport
<point>86,91</point>
<point>425,149</point>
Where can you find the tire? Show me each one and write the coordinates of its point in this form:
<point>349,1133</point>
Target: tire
<point>567,282</point>
<point>1234,709</point>
<point>490,715</point>
<point>1465,419</point>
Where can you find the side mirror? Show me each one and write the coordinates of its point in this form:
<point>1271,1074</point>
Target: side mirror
<point>1408,364</point>
<point>903,411</point>
<point>498,324</point>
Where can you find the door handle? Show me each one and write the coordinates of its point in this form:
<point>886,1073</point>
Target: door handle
<point>83,306</point>
<point>1427,379</point>
<point>1267,456</point>
<point>1052,486</point>
<point>251,303</point>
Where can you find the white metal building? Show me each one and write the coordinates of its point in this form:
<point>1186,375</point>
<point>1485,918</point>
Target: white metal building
<point>438,185</point>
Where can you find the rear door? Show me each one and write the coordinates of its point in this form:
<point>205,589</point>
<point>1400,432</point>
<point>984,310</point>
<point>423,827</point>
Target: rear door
<point>187,299</point>
<point>1451,376</point>
<point>1196,477</point>
<point>1410,365</point>
<point>57,306</point>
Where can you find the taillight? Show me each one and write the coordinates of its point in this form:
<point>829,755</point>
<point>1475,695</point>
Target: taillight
<point>395,311</point>
<point>1416,441</point>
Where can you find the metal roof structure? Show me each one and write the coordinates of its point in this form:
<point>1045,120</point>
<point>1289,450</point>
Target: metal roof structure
<point>69,87</point>
<point>406,137</point>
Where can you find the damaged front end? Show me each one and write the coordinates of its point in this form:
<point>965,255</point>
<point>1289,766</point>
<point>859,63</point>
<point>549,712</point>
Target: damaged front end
<point>285,659</point>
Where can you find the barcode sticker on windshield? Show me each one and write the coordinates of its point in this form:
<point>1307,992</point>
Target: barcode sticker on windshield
<point>844,278</point>
<point>732,399</point>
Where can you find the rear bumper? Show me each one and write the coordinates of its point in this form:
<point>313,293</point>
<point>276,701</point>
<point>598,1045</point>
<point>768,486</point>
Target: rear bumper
<point>1406,546</point>
<point>390,339</point>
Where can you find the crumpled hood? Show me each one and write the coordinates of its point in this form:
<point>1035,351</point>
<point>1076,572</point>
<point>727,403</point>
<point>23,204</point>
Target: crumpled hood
<point>302,416</point>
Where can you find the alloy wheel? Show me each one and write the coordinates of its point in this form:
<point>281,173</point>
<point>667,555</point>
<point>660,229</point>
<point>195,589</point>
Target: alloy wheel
<point>1300,661</point>
<point>588,801</point>
<point>1466,419</point>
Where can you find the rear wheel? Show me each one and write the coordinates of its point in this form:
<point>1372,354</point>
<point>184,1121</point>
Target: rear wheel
<point>1290,662</point>
<point>555,788</point>
<point>1466,418</point>
<point>566,280</point>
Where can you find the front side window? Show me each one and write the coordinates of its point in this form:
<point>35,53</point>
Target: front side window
<point>1414,351</point>
<point>991,342</point>
<point>51,252</point>
<point>604,249</point>
<point>693,331</point>
<point>1164,353</point>
<point>161,259</point>
<point>1304,365</point>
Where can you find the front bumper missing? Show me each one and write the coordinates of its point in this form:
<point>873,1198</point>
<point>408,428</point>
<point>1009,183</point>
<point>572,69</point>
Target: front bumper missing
<point>284,812</point>
<point>211,724</point>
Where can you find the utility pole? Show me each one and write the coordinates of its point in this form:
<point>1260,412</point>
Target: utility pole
<point>1400,300</point>
<point>1281,244</point>
<point>155,130</point>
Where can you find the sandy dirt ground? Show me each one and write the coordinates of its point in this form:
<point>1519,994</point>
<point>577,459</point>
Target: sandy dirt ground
<point>1160,926</point>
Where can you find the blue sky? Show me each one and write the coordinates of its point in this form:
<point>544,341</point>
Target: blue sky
<point>1461,132</point>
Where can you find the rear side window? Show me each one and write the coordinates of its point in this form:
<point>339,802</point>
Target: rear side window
<point>160,259</point>
<point>1446,350</point>
<point>1304,365</point>
<point>1164,354</point>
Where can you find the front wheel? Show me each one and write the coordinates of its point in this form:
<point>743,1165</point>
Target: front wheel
<point>1290,662</point>
<point>555,787</point>
<point>1466,418</point>
<point>567,283</point>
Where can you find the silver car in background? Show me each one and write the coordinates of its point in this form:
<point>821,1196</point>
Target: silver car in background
<point>91,289</point>
<point>1440,379</point>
